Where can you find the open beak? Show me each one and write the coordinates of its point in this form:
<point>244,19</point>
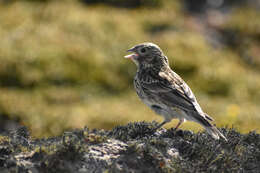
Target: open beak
<point>133,55</point>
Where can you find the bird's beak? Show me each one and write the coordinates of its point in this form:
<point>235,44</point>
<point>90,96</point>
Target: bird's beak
<point>133,55</point>
<point>131,50</point>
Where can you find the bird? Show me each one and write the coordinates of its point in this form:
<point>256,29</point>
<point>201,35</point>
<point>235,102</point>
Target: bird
<point>164,91</point>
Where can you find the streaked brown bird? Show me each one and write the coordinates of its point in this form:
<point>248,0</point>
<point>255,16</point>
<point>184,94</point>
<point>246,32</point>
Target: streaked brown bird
<point>164,91</point>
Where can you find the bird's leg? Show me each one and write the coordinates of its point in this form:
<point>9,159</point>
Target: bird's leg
<point>160,125</point>
<point>179,123</point>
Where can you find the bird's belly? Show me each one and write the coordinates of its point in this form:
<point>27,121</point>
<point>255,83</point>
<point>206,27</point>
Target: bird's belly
<point>160,108</point>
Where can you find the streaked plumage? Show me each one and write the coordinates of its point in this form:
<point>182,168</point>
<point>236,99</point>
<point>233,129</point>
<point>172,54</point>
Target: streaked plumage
<point>164,91</point>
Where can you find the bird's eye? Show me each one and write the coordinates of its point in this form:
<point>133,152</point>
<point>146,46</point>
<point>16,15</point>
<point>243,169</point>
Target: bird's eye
<point>143,50</point>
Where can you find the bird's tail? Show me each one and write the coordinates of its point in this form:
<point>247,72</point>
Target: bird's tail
<point>211,129</point>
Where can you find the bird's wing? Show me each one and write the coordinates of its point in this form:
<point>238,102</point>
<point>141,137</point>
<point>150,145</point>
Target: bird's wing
<point>172,90</point>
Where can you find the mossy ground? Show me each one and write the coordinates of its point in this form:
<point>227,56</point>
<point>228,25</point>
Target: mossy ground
<point>62,64</point>
<point>134,147</point>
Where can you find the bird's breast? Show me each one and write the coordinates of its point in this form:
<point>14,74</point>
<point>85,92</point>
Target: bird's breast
<point>144,94</point>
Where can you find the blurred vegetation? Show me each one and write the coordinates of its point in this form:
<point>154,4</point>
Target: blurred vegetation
<point>62,64</point>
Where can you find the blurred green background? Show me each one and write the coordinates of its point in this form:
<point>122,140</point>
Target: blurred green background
<point>62,65</point>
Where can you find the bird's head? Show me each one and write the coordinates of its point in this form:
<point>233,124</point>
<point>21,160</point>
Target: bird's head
<point>147,55</point>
